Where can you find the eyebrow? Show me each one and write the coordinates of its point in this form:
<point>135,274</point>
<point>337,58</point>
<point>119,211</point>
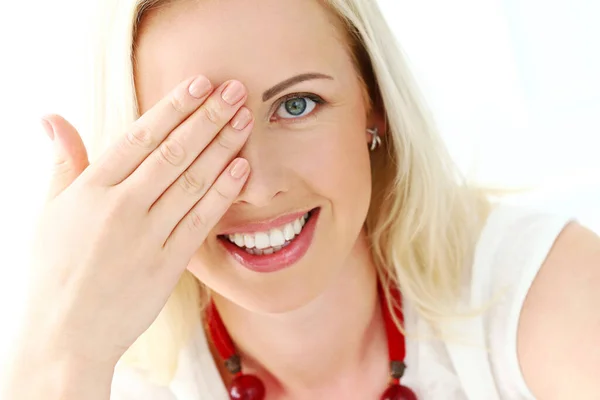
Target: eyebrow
<point>280,87</point>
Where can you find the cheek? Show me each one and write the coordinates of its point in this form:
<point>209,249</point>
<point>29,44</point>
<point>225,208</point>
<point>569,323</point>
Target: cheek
<point>340,175</point>
<point>207,265</point>
<point>337,168</point>
<point>201,260</point>
<point>340,163</point>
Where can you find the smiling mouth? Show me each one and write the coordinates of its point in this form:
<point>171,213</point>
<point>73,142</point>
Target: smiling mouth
<point>271,241</point>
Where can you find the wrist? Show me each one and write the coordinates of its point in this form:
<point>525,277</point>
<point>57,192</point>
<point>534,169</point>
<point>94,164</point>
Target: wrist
<point>58,375</point>
<point>75,377</point>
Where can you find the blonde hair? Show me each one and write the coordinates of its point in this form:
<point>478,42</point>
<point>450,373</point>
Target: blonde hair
<point>424,219</point>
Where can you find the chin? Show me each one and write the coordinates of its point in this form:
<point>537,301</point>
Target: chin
<point>287,276</point>
<point>287,291</point>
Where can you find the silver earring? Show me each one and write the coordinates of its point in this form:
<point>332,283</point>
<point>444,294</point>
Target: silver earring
<point>376,141</point>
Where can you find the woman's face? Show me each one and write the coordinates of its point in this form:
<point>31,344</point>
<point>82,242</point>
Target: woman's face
<point>308,149</point>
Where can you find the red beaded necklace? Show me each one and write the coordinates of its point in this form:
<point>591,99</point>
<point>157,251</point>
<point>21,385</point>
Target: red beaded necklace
<point>250,387</point>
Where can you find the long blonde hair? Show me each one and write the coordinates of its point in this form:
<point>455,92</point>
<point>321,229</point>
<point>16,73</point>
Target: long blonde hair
<point>424,219</point>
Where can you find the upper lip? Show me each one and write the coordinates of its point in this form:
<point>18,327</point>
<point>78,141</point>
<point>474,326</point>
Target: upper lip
<point>264,225</point>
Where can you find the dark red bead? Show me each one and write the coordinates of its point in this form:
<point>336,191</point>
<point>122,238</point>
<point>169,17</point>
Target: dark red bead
<point>398,392</point>
<point>247,387</point>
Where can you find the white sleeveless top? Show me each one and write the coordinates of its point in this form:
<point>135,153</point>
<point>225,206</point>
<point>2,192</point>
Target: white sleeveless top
<point>477,360</point>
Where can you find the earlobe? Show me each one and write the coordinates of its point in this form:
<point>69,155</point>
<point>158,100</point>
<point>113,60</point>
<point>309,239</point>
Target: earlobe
<point>375,130</point>
<point>375,140</point>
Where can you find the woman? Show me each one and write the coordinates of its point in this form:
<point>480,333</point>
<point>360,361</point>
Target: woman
<point>280,202</point>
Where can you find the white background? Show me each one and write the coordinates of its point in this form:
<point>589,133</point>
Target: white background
<point>514,84</point>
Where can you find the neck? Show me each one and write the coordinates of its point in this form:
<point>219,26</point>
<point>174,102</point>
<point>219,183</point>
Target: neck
<point>331,339</point>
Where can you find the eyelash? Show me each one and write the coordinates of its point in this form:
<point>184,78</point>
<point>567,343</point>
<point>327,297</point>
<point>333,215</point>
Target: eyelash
<point>311,96</point>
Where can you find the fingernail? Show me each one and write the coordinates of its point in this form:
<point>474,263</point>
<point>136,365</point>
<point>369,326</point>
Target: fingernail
<point>200,87</point>
<point>233,92</point>
<point>239,168</point>
<point>48,128</point>
<point>241,119</point>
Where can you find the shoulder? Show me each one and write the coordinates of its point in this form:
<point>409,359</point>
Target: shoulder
<point>559,326</point>
<point>512,247</point>
<point>540,272</point>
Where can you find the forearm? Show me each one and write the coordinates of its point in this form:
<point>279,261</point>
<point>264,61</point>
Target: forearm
<point>56,378</point>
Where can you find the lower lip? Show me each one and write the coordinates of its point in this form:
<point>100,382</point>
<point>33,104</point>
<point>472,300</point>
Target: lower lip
<point>282,259</point>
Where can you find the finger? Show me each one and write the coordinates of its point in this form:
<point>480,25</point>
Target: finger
<point>70,155</point>
<point>158,172</point>
<point>144,136</point>
<point>193,229</point>
<point>193,184</point>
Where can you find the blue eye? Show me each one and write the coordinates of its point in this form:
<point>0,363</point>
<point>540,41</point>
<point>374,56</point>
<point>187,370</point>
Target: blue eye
<point>296,107</point>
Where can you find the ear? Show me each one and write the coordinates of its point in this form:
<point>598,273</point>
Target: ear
<point>376,119</point>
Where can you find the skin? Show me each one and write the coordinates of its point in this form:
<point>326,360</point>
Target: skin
<point>327,301</point>
<point>559,328</point>
<point>114,237</point>
<point>87,274</point>
<point>268,316</point>
<point>321,160</point>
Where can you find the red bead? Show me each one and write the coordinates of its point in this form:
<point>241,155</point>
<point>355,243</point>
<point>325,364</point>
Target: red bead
<point>398,392</point>
<point>247,387</point>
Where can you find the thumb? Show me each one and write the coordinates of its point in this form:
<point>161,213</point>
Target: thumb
<point>70,155</point>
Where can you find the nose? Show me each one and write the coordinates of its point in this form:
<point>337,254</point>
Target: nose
<point>267,178</point>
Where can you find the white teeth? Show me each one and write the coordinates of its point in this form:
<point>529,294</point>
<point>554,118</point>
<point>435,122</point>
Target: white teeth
<point>276,237</point>
<point>239,239</point>
<point>297,226</point>
<point>268,242</point>
<point>261,240</point>
<point>248,241</point>
<point>303,219</point>
<point>288,232</point>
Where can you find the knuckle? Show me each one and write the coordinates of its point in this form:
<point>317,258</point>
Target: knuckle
<point>177,102</point>
<point>197,221</point>
<point>223,193</point>
<point>62,167</point>
<point>171,152</point>
<point>227,142</point>
<point>118,204</point>
<point>192,184</point>
<point>212,112</point>
<point>140,136</point>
